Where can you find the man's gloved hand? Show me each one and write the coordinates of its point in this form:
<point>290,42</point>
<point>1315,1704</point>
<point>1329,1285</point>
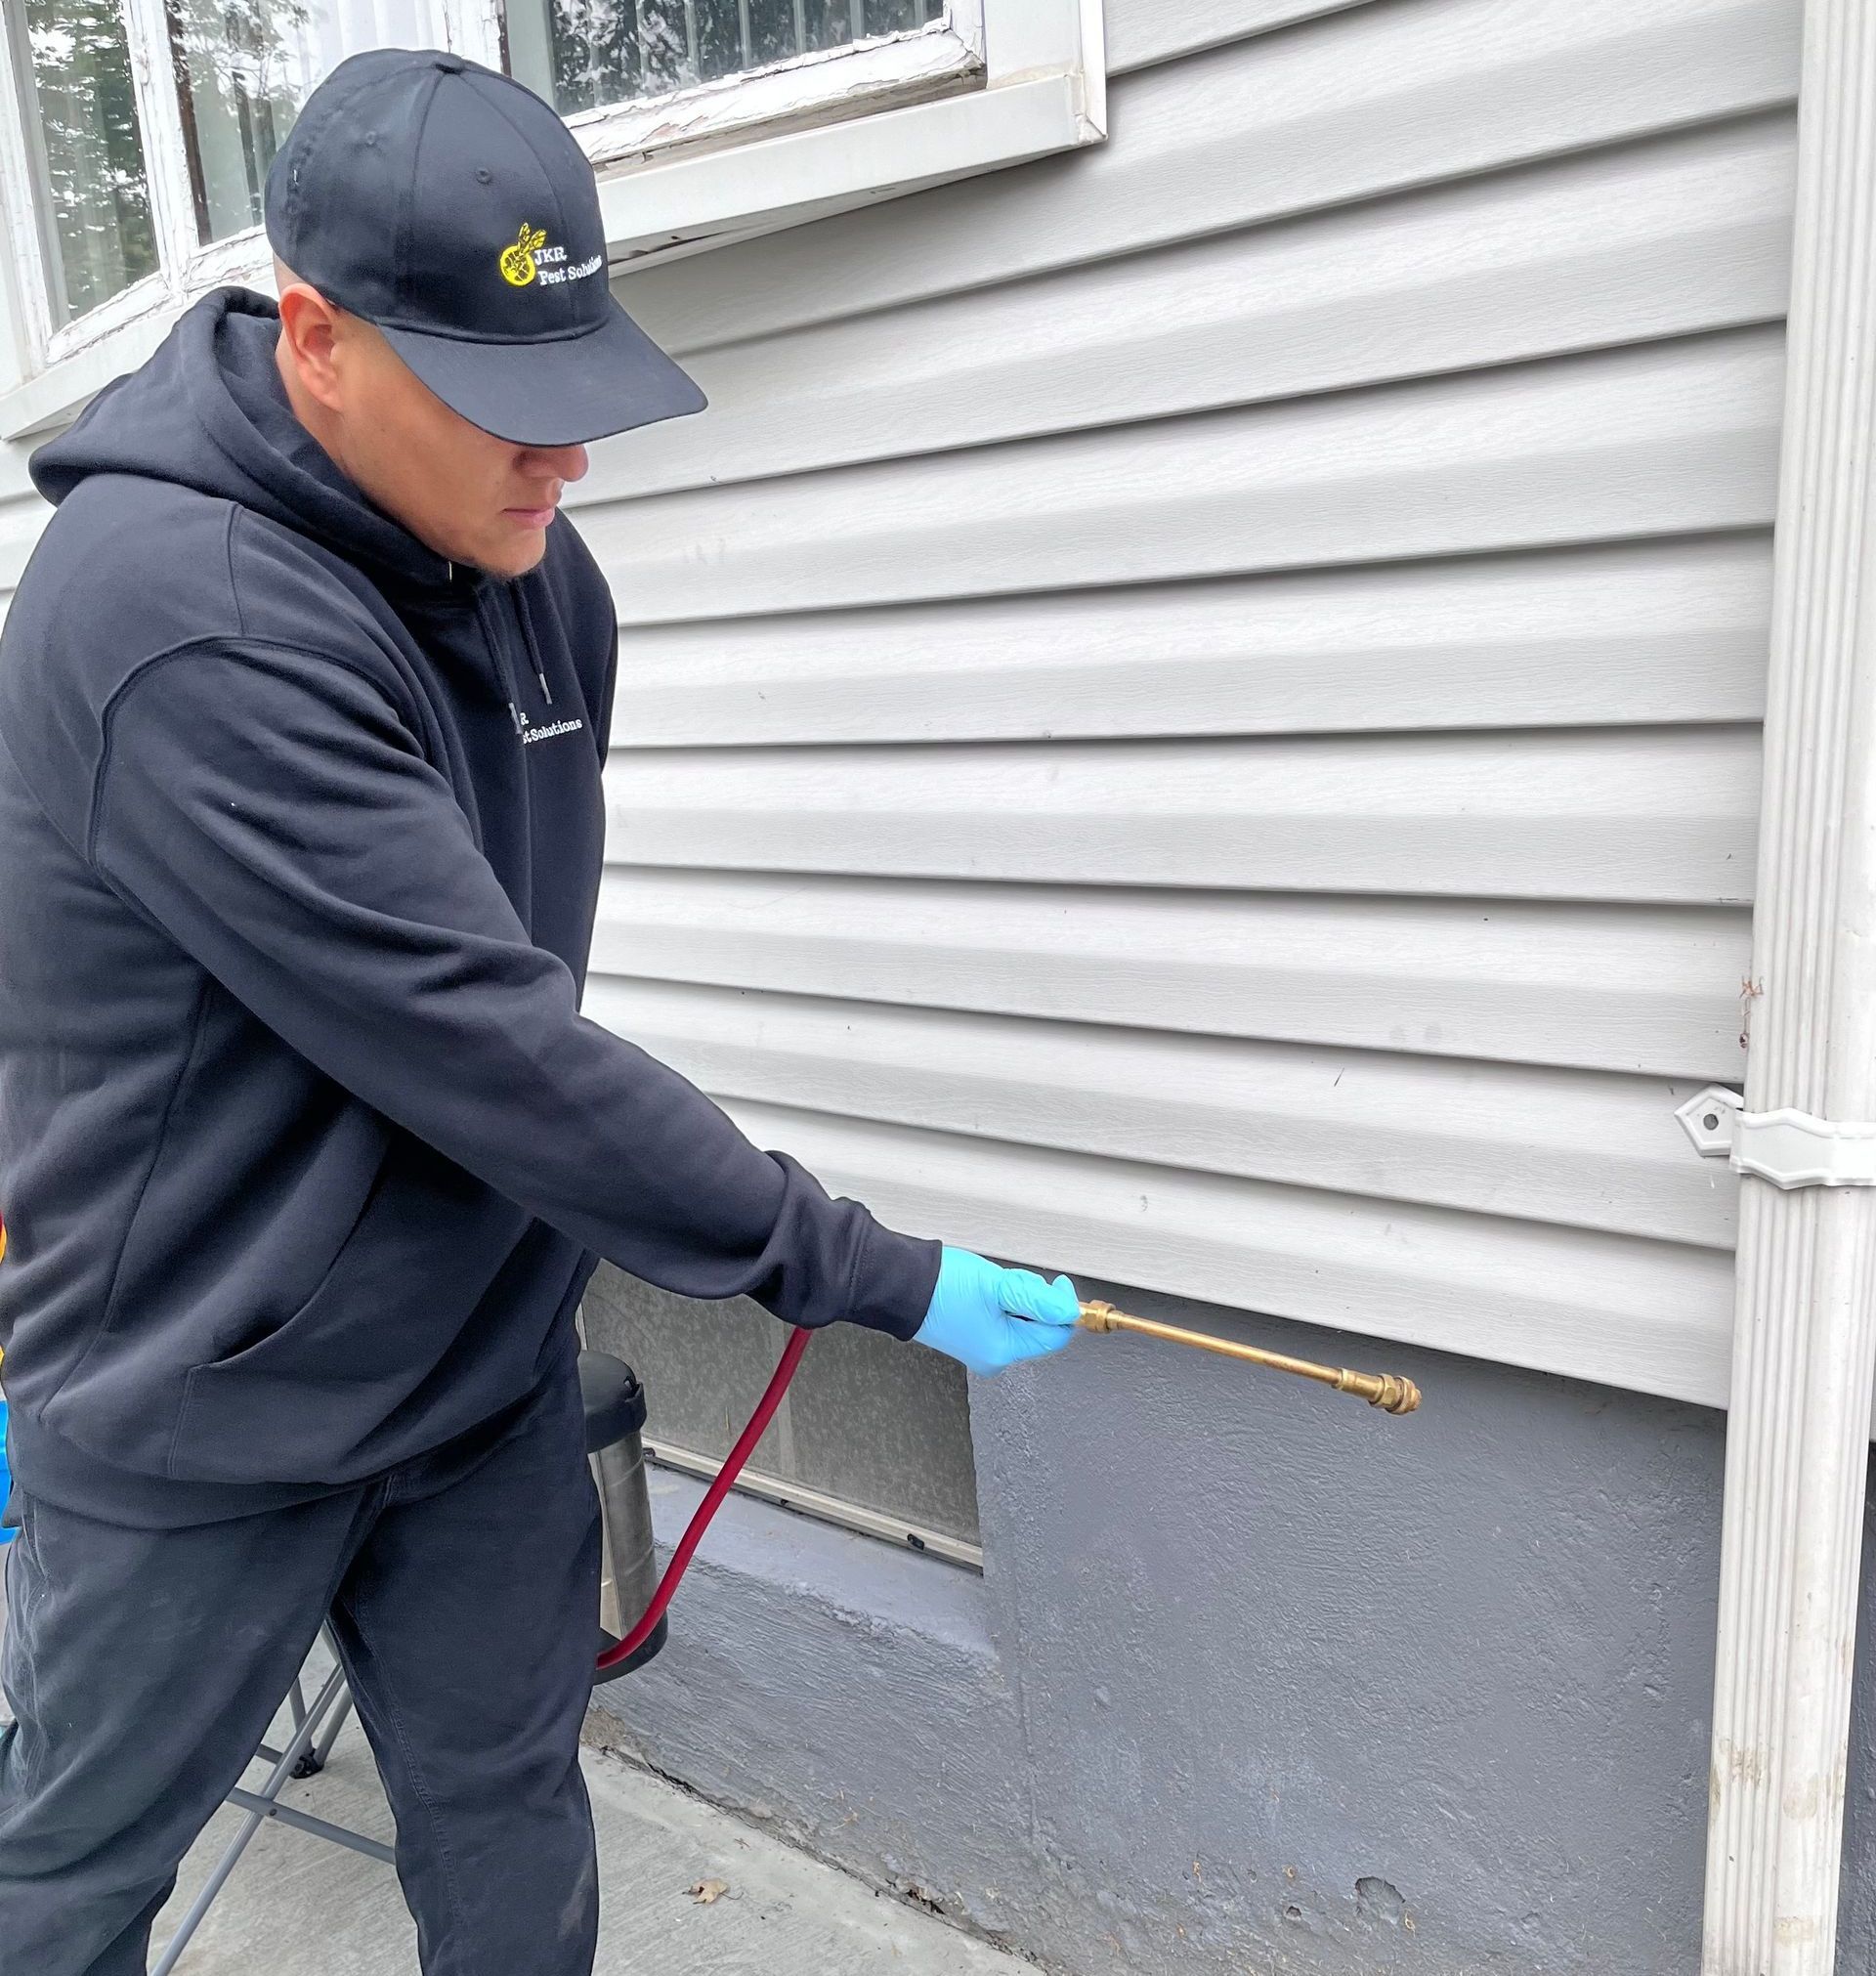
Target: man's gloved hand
<point>987,1318</point>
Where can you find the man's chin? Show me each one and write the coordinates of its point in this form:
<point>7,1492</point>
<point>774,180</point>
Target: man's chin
<point>520,553</point>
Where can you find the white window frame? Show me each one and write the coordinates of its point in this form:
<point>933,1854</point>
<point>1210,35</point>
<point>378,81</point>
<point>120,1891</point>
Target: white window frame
<point>884,71</point>
<point>995,83</point>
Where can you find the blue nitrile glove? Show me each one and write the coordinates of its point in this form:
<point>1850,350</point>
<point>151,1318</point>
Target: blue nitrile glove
<point>987,1318</point>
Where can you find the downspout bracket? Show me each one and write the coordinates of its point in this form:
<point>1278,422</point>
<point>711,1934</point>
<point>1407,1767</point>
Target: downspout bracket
<point>1788,1148</point>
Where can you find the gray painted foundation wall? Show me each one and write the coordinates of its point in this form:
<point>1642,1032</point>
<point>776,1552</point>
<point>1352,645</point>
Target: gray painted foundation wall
<point>1256,1679</point>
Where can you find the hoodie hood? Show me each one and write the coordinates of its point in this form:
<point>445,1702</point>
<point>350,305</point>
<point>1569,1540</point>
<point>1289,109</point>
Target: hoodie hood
<point>208,412</point>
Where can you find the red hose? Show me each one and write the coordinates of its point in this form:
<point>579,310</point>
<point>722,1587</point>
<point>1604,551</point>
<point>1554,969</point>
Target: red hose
<point>711,1503</point>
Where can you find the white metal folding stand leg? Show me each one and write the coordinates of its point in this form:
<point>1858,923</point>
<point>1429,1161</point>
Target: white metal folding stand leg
<point>315,1730</point>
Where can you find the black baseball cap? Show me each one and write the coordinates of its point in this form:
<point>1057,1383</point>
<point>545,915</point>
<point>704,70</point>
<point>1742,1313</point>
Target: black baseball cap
<point>452,207</point>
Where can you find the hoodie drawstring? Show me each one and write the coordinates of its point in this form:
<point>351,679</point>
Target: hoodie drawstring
<point>498,650</point>
<point>492,631</point>
<point>503,664</point>
<point>523,612</point>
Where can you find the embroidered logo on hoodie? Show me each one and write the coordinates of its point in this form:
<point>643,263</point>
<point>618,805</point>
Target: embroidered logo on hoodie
<point>529,732</point>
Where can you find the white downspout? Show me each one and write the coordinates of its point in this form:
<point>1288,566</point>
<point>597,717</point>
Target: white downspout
<point>1805,1333</point>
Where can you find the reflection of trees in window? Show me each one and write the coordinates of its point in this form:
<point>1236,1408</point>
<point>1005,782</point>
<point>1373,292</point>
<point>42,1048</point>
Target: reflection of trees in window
<point>88,152</point>
<point>611,51</point>
<point>241,76</point>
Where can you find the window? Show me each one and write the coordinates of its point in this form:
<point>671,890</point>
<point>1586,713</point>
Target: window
<point>242,71</point>
<point>871,1436</point>
<point>586,54</point>
<point>136,134</point>
<point>90,184</point>
<point>135,138</point>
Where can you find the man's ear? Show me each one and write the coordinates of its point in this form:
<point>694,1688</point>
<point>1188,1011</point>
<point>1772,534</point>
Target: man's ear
<point>309,339</point>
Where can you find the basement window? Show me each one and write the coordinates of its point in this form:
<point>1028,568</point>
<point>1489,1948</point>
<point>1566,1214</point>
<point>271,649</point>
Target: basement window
<point>874,1436</point>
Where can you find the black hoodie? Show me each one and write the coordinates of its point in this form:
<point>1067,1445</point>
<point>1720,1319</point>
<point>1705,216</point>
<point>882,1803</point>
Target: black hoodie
<point>306,1152</point>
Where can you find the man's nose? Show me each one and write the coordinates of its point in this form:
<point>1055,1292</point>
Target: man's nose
<point>556,462</point>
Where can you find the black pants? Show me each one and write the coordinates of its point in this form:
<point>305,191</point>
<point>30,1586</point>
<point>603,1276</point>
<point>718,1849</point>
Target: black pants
<point>143,1666</point>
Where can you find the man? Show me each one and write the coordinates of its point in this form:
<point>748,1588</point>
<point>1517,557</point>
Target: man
<point>306,1154</point>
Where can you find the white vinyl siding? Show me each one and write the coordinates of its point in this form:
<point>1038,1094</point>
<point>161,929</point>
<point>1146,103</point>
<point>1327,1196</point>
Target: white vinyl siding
<point>1189,714</point>
<point>21,516</point>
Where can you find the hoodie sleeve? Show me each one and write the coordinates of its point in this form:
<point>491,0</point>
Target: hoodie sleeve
<point>273,813</point>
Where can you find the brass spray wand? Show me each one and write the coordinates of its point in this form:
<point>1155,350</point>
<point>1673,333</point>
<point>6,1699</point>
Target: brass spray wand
<point>1387,1391</point>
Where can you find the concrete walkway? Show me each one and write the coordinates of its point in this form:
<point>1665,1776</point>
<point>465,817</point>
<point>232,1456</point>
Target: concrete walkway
<point>299,1907</point>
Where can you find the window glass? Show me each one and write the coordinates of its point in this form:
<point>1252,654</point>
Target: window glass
<point>243,67</point>
<point>86,149</point>
<point>580,54</point>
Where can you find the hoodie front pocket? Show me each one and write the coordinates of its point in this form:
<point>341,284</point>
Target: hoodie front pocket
<point>299,1404</point>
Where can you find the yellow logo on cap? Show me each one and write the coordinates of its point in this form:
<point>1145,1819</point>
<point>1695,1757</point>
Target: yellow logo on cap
<point>518,259</point>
